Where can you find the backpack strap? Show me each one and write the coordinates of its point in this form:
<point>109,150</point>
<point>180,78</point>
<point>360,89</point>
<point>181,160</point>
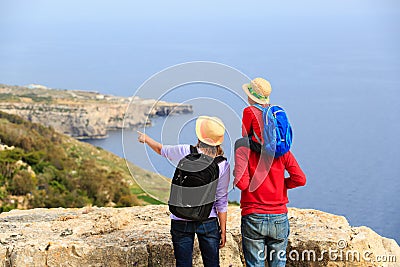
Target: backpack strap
<point>258,106</point>
<point>193,149</point>
<point>257,137</point>
<point>219,159</point>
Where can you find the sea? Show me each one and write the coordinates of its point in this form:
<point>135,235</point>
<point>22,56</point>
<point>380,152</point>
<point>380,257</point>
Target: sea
<point>333,65</point>
<point>352,170</point>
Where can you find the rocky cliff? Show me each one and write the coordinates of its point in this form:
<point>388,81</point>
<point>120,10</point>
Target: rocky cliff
<point>83,114</point>
<point>139,236</point>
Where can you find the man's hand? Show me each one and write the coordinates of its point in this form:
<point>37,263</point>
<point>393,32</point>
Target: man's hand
<point>223,239</point>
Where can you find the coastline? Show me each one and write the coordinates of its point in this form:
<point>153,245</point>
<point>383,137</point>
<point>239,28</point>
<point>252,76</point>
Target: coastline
<point>84,115</point>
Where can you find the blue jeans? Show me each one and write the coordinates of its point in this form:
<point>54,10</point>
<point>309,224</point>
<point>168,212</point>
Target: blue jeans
<point>265,237</point>
<point>208,234</point>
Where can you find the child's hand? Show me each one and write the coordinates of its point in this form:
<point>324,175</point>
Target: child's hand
<point>141,137</point>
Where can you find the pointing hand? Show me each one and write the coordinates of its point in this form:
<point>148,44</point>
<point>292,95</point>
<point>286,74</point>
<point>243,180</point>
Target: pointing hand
<point>141,137</point>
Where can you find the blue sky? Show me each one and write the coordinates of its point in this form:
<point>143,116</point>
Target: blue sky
<point>155,10</point>
<point>79,44</point>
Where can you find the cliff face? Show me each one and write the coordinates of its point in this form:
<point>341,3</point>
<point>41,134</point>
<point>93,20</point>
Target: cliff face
<point>83,114</point>
<point>139,236</point>
<point>92,120</point>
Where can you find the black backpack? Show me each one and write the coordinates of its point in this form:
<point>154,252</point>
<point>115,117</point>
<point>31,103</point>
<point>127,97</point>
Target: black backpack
<point>194,186</point>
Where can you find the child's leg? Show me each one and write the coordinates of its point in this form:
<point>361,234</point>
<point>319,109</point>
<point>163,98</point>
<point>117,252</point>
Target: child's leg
<point>254,146</point>
<point>242,153</point>
<point>248,142</point>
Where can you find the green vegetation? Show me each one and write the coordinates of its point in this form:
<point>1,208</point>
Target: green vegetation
<point>20,94</point>
<point>233,203</point>
<point>9,97</point>
<point>53,170</point>
<point>37,98</point>
<point>150,200</point>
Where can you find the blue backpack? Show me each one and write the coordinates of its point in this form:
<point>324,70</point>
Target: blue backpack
<point>277,131</point>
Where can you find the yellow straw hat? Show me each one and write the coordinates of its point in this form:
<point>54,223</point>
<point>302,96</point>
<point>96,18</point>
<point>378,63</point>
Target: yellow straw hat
<point>258,90</point>
<point>210,130</point>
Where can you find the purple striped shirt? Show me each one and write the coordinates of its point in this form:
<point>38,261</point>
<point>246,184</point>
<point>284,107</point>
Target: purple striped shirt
<point>177,152</point>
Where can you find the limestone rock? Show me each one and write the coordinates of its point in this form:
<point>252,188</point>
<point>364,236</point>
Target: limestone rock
<point>93,120</point>
<point>139,236</point>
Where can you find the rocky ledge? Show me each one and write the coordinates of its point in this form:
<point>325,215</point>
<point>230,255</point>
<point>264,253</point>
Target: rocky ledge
<point>139,236</point>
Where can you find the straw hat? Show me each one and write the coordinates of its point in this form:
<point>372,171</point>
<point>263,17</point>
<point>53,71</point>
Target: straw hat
<point>258,90</point>
<point>210,130</point>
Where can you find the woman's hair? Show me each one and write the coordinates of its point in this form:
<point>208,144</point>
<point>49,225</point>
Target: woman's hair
<point>211,151</point>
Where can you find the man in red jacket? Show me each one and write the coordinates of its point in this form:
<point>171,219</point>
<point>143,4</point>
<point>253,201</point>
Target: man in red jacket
<point>265,225</point>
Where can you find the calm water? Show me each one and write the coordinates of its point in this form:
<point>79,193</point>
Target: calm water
<point>351,168</point>
<point>334,65</point>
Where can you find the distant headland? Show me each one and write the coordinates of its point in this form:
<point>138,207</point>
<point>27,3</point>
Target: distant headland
<point>83,114</point>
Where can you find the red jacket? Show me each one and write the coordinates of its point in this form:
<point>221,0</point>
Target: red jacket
<point>263,184</point>
<point>265,191</point>
<point>252,122</point>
